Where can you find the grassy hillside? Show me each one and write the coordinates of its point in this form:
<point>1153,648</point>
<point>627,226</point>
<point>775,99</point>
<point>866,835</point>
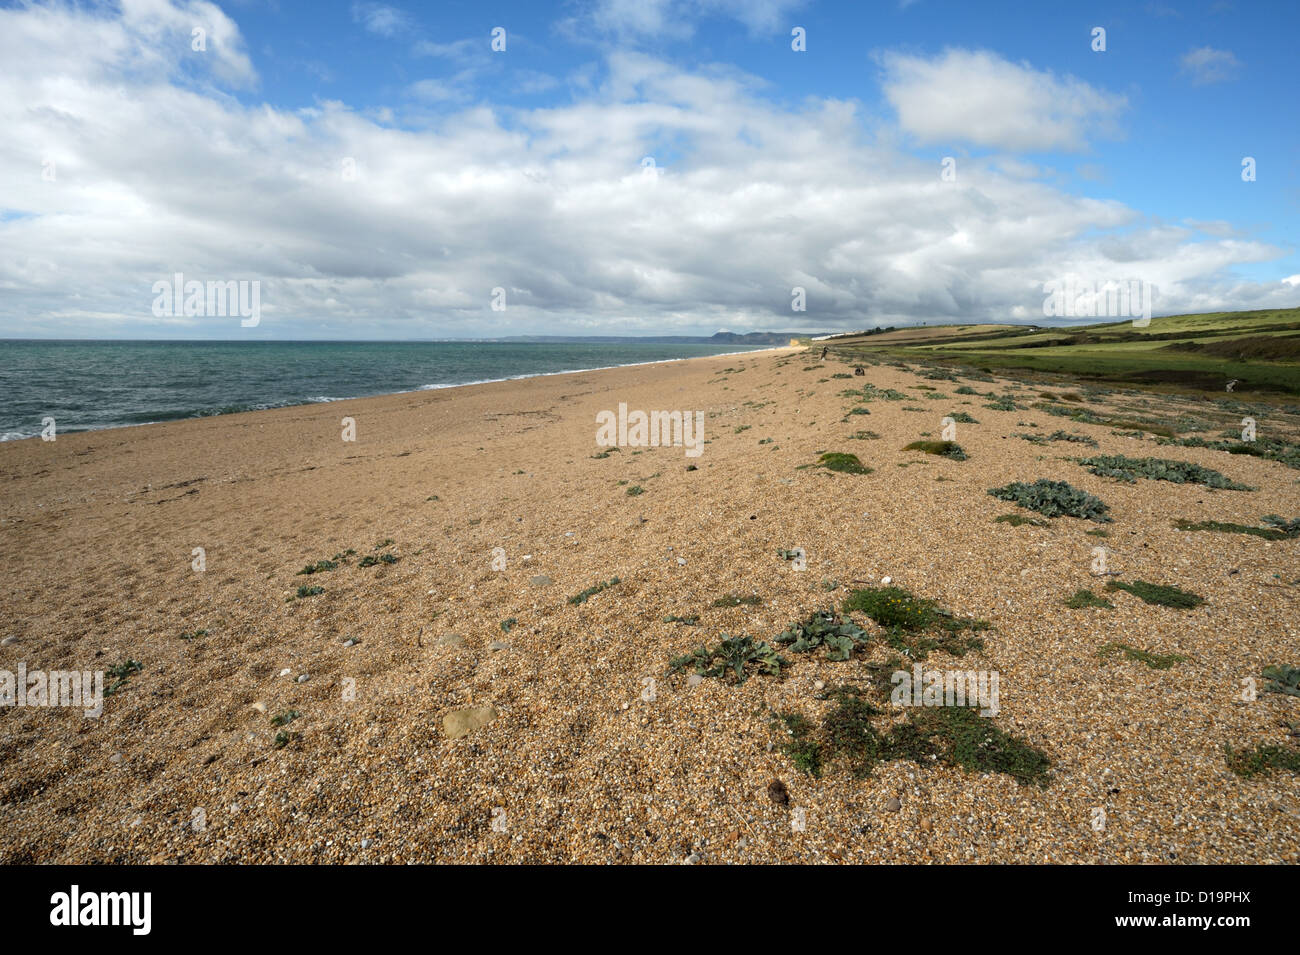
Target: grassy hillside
<point>1261,349</point>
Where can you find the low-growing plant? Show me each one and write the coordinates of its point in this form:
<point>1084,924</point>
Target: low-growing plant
<point>1159,469</point>
<point>1282,678</point>
<point>285,718</point>
<point>824,628</point>
<point>961,417</point>
<point>591,591</point>
<point>1086,598</point>
<point>319,567</point>
<point>120,673</point>
<point>1158,594</point>
<point>1224,527</point>
<point>306,591</point>
<point>507,624</point>
<point>734,600</point>
<point>196,633</point>
<point>843,462</point>
<point>944,449</point>
<point>1156,661</point>
<point>1017,520</point>
<point>733,660</point>
<point>1262,760</point>
<point>1054,499</point>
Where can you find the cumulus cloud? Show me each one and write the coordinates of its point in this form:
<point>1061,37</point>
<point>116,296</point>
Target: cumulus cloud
<point>1207,65</point>
<point>159,171</point>
<point>977,97</point>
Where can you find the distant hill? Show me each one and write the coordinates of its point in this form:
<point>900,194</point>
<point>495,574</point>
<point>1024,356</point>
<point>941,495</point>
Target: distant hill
<point>1257,351</point>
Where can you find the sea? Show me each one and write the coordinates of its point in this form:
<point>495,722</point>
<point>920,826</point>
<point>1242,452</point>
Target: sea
<point>87,385</point>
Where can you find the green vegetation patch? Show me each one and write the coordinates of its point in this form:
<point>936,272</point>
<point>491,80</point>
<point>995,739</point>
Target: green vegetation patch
<point>1159,594</point>
<point>1156,661</point>
<point>1018,520</point>
<point>582,597</point>
<point>733,600</point>
<point>944,449</point>
<point>306,591</point>
<point>842,462</point>
<point>857,733</point>
<point>319,567</point>
<point>824,628</point>
<point>1054,499</point>
<point>733,660</point>
<point>1223,527</point>
<point>1262,760</point>
<point>1159,469</point>
<point>1282,678</point>
<point>914,625</point>
<point>962,417</point>
<point>120,673</point>
<point>1086,598</point>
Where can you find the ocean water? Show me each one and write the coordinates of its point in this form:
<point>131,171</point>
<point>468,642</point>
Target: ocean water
<point>86,385</point>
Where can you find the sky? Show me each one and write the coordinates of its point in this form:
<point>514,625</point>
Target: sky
<point>478,169</point>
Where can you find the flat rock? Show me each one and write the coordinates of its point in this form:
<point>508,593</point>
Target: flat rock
<point>460,723</point>
<point>497,645</point>
<point>451,640</point>
<point>541,580</point>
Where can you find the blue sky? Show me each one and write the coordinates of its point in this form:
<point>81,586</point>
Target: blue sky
<point>521,170</point>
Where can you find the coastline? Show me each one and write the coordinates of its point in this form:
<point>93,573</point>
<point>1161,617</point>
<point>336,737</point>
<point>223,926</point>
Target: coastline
<point>6,437</point>
<point>100,530</point>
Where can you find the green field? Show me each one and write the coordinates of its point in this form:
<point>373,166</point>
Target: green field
<point>1202,353</point>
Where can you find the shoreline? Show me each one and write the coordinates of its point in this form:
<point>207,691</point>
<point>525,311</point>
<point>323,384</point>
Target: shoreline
<point>475,551</point>
<point>10,437</point>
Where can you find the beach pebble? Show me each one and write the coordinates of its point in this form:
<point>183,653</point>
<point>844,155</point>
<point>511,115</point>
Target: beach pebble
<point>285,672</point>
<point>497,645</point>
<point>541,580</point>
<point>694,680</point>
<point>303,678</point>
<point>8,641</point>
<point>886,580</point>
<point>351,642</point>
<point>894,804</point>
<point>819,685</point>
<point>681,561</point>
<point>367,843</point>
<point>259,706</point>
<point>451,640</point>
<point>460,723</point>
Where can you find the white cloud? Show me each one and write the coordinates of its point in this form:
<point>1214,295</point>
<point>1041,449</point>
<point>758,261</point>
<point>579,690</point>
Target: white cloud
<point>381,19</point>
<point>677,19</point>
<point>159,171</point>
<point>1207,65</point>
<point>974,96</point>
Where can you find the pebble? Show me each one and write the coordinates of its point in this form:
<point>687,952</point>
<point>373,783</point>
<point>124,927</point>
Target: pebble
<point>303,678</point>
<point>498,645</point>
<point>367,843</point>
<point>352,642</point>
<point>451,640</point>
<point>541,580</point>
<point>8,641</point>
<point>886,580</point>
<point>285,672</point>
<point>460,723</point>
<point>259,706</point>
<point>694,680</point>
<point>894,804</point>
